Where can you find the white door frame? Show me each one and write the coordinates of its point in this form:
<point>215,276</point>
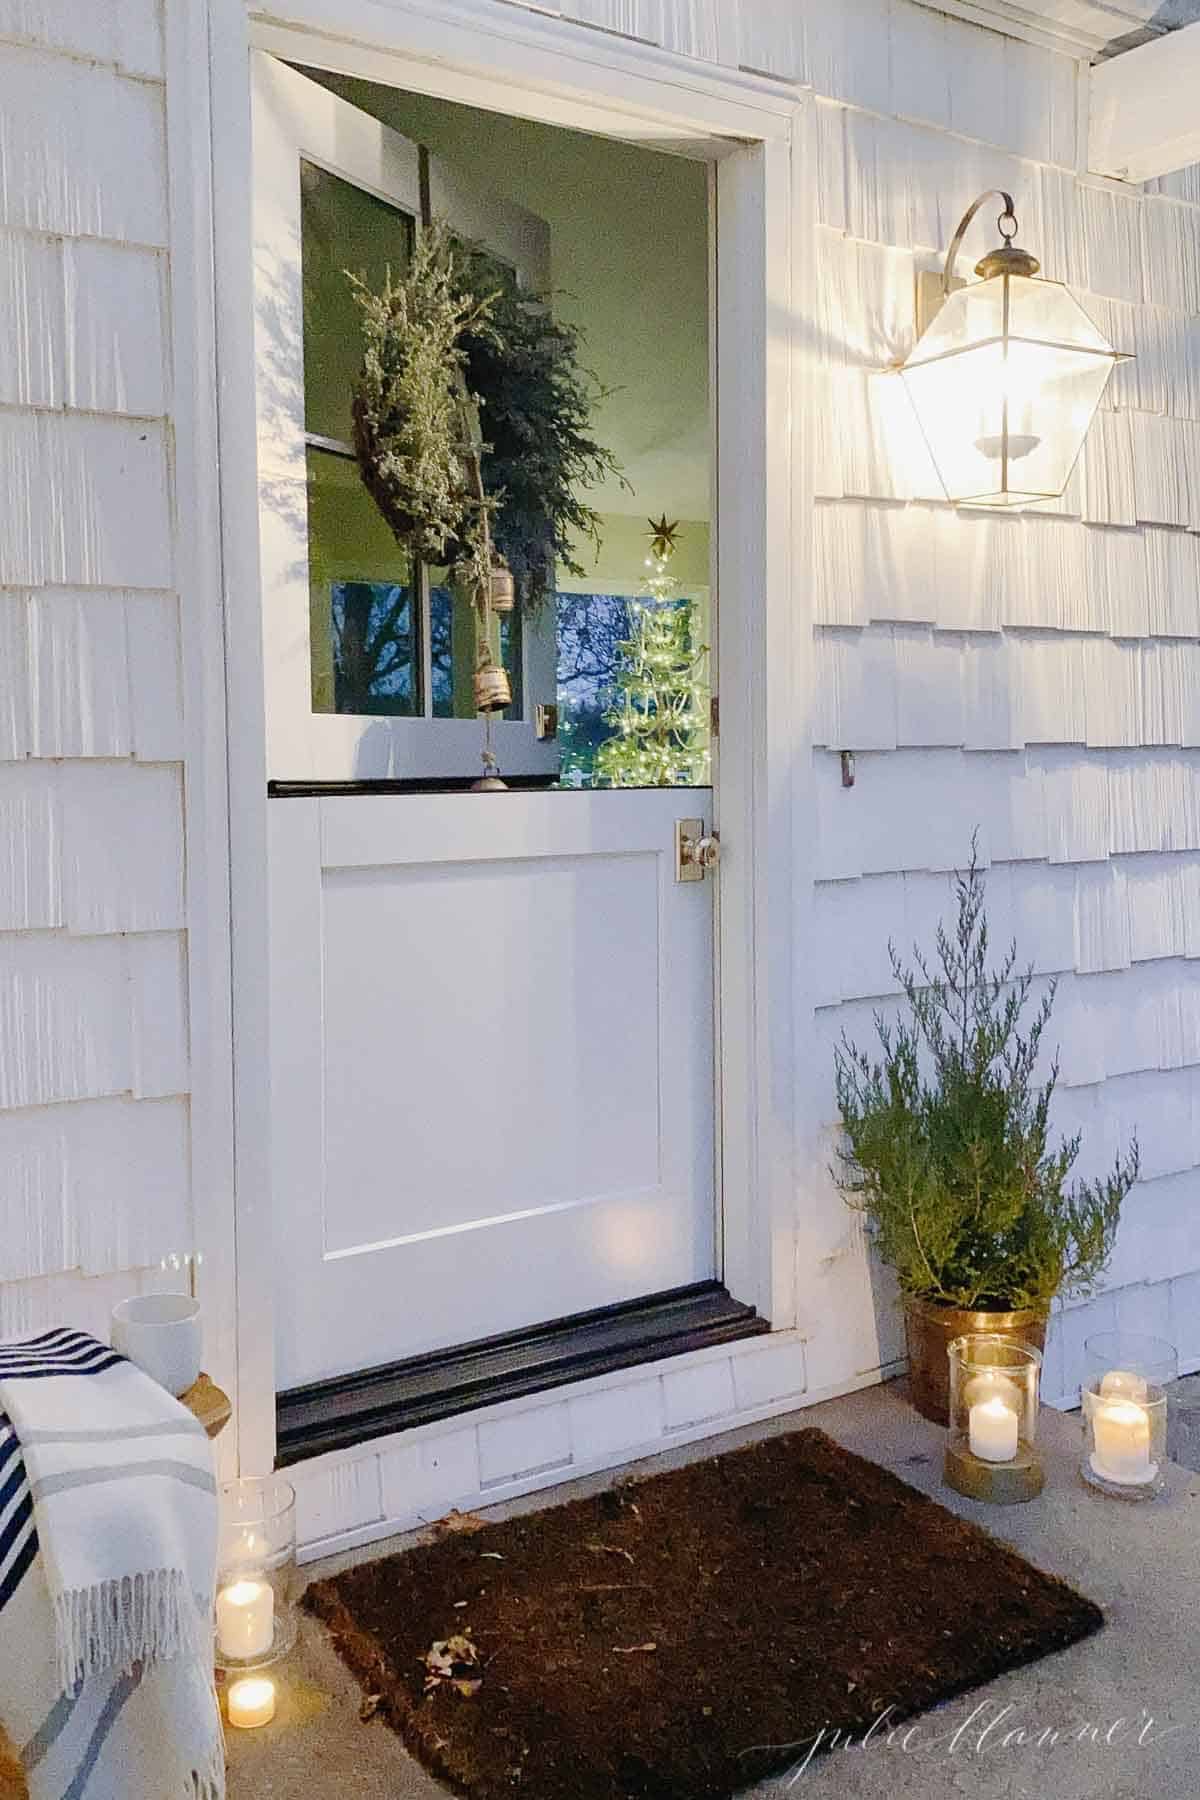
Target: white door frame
<point>759,134</point>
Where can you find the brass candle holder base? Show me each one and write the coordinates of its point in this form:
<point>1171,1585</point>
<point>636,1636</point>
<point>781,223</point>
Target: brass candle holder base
<point>1000,1484</point>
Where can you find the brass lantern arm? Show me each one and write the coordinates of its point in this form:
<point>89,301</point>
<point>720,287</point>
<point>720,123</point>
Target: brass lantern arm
<point>1008,260</point>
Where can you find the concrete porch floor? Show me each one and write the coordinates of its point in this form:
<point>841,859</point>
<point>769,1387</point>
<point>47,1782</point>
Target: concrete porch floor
<point>1141,1563</point>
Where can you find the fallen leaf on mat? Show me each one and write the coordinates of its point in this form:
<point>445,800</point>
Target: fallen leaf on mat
<point>454,1660</point>
<point>368,1706</point>
<point>457,1521</point>
<point>609,1550</point>
<point>632,1649</point>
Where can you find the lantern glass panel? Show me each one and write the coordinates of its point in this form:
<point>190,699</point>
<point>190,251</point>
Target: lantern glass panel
<point>1047,310</point>
<point>1005,404</point>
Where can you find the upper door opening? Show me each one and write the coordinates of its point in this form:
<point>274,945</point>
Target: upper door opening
<point>372,648</point>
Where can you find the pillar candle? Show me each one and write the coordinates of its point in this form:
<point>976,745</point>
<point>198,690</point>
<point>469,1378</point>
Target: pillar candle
<point>245,1619</point>
<point>252,1702</point>
<point>1121,1434</point>
<point>992,1430</point>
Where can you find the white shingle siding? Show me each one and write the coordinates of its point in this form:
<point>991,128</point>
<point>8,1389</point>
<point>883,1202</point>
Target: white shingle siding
<point>86,1301</point>
<point>94,1128</point>
<point>1037,677</point>
<point>116,355</point>
<point>127,34</point>
<point>85,501</point>
<point>82,149</point>
<point>100,1186</point>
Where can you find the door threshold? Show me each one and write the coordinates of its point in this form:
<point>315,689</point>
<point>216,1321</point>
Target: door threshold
<point>352,1409</point>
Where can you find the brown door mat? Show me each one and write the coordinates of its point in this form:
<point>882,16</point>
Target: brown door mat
<point>683,1636</point>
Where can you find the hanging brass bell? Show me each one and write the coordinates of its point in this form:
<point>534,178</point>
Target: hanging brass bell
<point>503,589</point>
<point>492,692</point>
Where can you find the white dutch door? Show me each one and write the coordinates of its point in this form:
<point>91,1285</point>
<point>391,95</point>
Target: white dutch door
<point>492,1038</point>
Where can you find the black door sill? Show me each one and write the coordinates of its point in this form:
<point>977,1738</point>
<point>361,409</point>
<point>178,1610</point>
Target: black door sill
<point>352,1409</point>
<point>422,784</point>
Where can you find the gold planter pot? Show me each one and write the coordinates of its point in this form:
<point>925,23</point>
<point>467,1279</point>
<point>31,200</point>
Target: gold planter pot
<point>929,1330</point>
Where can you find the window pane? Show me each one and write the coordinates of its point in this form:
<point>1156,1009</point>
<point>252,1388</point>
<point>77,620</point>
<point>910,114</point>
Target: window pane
<point>511,659</point>
<point>341,228</point>
<point>362,620</point>
<point>452,648</point>
<point>632,691</point>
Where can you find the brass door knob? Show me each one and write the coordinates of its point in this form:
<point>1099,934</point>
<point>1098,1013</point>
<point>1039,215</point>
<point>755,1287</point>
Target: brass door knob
<point>696,851</point>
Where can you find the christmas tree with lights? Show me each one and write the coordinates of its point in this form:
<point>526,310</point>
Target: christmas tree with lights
<point>660,721</point>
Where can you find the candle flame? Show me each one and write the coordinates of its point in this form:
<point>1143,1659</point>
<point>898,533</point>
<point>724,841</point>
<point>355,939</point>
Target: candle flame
<point>254,1690</point>
<point>242,1593</point>
<point>252,1702</point>
<point>1124,1412</point>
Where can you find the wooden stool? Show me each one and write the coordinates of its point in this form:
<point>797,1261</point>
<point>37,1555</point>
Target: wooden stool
<point>12,1778</point>
<point>211,1404</point>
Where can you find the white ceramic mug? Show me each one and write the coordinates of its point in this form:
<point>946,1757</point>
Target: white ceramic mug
<point>161,1334</point>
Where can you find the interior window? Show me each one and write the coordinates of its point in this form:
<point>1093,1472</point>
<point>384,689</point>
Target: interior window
<point>362,626</point>
<point>609,670</point>
<point>342,227</point>
<point>632,690</point>
<point>364,623</point>
<point>452,627</point>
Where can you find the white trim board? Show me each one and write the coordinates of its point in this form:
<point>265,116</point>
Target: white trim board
<point>198,579</point>
<point>1080,28</point>
<point>757,135</point>
<point>1091,26</point>
<point>1143,116</point>
<point>349,1497</point>
<point>587,80</point>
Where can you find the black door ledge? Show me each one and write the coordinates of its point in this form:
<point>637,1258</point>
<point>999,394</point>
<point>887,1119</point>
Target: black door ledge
<point>352,1409</point>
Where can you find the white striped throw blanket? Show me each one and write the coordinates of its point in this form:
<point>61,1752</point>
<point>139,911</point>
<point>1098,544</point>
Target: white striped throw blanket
<point>108,1528</point>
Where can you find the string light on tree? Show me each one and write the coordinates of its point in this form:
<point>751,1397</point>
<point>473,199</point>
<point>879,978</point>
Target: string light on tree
<point>660,721</point>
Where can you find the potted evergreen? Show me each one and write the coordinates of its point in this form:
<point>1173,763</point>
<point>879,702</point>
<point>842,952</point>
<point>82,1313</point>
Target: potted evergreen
<point>948,1152</point>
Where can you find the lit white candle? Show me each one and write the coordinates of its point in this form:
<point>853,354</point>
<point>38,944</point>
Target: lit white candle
<point>992,1429</point>
<point>245,1619</point>
<point>252,1702</point>
<point>991,1384</point>
<point>1119,1384</point>
<point>1121,1434</point>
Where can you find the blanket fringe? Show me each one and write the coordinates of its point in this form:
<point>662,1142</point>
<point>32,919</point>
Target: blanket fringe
<point>209,1783</point>
<point>144,1618</point>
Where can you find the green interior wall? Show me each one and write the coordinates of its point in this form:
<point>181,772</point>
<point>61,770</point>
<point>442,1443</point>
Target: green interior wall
<point>620,566</point>
<point>629,257</point>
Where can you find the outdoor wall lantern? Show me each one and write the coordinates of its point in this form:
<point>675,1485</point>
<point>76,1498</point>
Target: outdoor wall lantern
<point>1007,375</point>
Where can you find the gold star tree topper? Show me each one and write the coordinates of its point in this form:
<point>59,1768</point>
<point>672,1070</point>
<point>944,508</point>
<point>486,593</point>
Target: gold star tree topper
<point>663,535</point>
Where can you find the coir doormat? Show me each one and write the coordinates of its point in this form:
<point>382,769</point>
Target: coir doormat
<point>683,1636</point>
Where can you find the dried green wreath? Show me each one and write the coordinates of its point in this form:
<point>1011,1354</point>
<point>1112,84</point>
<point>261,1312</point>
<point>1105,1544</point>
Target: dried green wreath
<point>410,424</point>
<point>462,367</point>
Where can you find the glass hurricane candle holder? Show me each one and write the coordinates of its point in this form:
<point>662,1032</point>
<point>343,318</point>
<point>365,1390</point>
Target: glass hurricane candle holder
<point>990,1451</point>
<point>1125,1383</point>
<point>256,1572</point>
